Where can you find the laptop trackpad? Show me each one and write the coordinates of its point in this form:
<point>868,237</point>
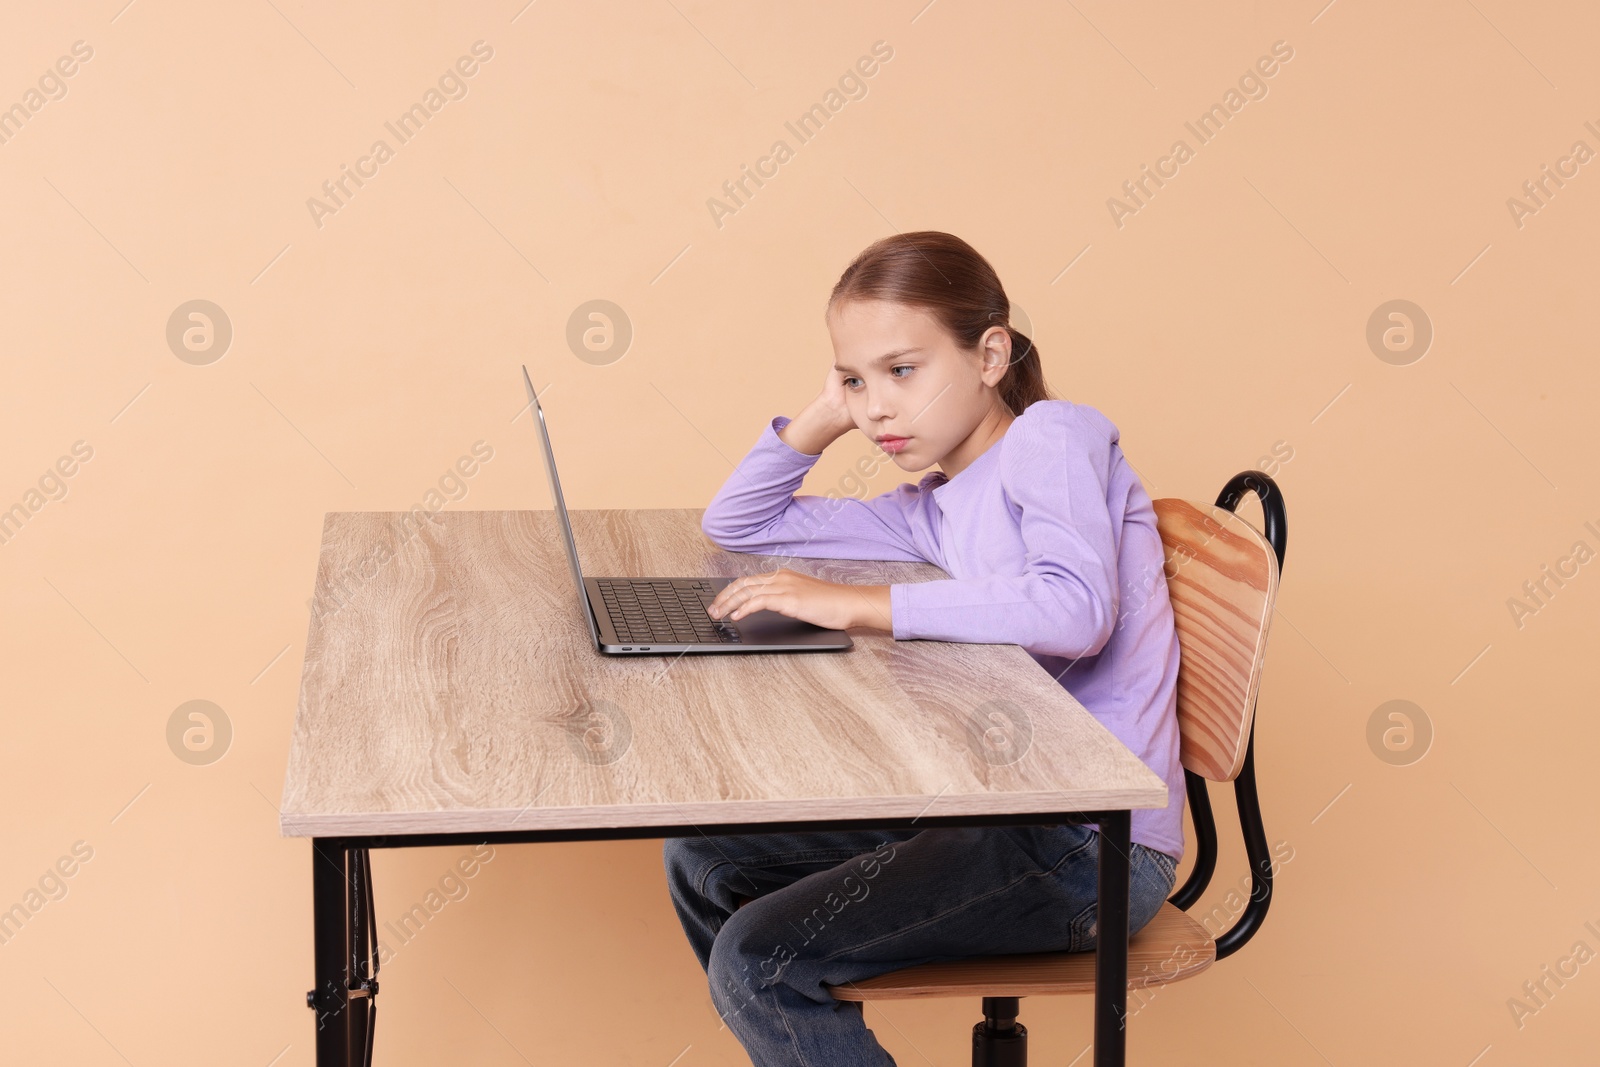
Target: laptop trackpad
<point>771,627</point>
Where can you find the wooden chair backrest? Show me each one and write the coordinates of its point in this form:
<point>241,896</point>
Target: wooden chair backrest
<point>1222,577</point>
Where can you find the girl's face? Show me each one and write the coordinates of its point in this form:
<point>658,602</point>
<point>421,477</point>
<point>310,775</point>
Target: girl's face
<point>910,387</point>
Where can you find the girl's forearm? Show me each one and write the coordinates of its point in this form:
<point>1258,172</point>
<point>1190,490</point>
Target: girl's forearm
<point>809,432</point>
<point>872,610</point>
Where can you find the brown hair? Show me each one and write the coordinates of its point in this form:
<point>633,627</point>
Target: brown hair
<point>945,276</point>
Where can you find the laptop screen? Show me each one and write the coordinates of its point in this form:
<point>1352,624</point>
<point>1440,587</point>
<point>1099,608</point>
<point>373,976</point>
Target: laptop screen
<point>561,509</point>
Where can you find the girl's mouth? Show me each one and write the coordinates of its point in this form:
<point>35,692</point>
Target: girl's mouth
<point>893,444</point>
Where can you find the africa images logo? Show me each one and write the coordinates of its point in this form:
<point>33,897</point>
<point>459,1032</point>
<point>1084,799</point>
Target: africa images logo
<point>1252,85</point>
<point>452,85</point>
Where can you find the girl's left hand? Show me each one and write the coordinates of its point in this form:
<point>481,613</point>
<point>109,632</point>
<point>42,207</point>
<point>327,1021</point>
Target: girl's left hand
<point>799,596</point>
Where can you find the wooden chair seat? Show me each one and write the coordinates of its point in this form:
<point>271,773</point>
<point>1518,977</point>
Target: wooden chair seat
<point>1170,947</point>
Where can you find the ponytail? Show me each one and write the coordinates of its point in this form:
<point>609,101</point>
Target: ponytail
<point>1024,382</point>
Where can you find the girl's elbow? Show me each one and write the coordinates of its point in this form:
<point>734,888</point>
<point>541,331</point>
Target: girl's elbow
<point>1099,638</point>
<point>717,531</point>
<point>1075,644</point>
<point>709,526</point>
<point>729,537</point>
<point>1105,624</point>
<point>1083,628</point>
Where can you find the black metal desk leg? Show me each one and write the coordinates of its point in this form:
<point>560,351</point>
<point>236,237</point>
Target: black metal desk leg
<point>1111,943</point>
<point>330,999</point>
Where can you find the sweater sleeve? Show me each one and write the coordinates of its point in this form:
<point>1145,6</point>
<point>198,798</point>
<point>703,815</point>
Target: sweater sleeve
<point>756,510</point>
<point>1056,472</point>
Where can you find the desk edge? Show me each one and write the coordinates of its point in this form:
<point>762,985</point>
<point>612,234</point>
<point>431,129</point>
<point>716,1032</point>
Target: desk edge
<point>609,816</point>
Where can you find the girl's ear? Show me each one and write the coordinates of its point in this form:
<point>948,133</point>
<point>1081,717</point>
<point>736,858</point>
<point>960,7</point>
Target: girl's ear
<point>995,351</point>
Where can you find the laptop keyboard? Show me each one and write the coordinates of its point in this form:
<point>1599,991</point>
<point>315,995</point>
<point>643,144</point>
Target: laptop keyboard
<point>664,611</point>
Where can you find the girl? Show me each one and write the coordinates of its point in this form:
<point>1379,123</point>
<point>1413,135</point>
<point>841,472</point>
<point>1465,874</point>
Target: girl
<point>1052,545</point>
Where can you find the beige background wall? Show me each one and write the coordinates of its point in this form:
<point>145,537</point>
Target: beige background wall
<point>1222,326</point>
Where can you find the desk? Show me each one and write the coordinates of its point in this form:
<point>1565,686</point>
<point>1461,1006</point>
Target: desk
<point>450,694</point>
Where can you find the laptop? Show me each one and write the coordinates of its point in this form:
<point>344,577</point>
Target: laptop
<point>667,616</point>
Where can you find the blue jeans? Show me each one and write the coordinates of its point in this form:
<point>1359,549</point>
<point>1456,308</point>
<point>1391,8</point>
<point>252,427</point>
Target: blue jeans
<point>829,908</point>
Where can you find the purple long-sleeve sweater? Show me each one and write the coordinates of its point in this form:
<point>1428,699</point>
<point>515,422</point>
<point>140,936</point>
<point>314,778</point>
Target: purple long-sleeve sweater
<point>1051,543</point>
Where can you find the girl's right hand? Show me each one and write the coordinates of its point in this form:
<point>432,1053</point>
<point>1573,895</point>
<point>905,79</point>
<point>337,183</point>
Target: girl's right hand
<point>823,421</point>
<point>831,405</point>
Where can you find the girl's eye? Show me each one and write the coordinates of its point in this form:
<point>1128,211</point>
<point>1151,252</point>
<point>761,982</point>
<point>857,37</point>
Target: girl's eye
<point>901,366</point>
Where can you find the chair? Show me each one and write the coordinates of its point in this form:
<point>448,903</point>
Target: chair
<point>1222,577</point>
